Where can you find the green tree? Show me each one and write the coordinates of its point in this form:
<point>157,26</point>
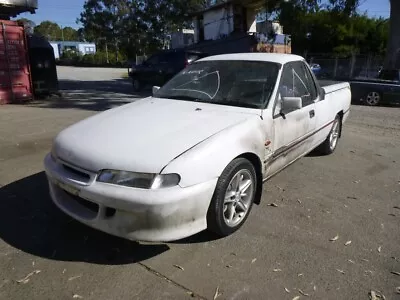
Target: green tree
<point>69,34</point>
<point>50,30</point>
<point>393,48</point>
<point>135,26</point>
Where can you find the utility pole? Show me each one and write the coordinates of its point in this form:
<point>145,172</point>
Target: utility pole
<point>108,60</point>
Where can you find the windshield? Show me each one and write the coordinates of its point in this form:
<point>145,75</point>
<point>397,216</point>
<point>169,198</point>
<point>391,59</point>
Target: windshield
<point>235,83</point>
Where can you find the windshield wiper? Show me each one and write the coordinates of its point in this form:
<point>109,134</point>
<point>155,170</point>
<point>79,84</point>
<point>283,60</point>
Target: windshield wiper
<point>181,97</point>
<point>239,103</point>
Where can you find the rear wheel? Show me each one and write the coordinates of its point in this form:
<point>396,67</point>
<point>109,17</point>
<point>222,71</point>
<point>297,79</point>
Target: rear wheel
<point>330,144</point>
<point>373,98</point>
<point>233,197</point>
<point>137,85</point>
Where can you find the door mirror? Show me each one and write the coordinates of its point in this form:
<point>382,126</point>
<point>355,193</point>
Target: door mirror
<point>291,103</point>
<point>155,89</point>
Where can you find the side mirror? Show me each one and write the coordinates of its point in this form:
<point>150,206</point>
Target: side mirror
<point>155,89</point>
<point>321,94</point>
<point>291,103</point>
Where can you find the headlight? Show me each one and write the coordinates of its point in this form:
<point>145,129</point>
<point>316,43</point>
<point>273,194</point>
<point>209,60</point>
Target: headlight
<point>138,180</point>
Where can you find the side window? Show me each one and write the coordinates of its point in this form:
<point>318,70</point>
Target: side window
<point>153,60</point>
<point>310,82</point>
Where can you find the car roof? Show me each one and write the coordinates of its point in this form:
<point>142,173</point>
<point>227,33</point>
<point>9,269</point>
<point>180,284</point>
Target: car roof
<point>267,57</point>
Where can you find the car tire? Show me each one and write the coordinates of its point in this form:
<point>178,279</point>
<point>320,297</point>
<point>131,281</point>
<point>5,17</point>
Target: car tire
<point>372,98</point>
<point>137,85</point>
<point>330,144</point>
<point>233,198</point>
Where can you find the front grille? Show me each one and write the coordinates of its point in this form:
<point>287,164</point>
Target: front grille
<point>76,173</point>
<point>93,207</point>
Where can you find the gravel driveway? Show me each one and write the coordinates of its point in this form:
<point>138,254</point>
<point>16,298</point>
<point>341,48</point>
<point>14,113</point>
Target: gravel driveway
<point>333,235</point>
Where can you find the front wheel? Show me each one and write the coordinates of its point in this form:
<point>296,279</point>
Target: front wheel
<point>137,85</point>
<point>330,144</point>
<point>233,197</point>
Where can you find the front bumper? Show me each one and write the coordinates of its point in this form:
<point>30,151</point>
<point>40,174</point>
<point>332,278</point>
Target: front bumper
<point>136,214</point>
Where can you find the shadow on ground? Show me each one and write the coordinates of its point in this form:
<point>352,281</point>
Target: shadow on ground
<point>29,221</point>
<point>92,95</point>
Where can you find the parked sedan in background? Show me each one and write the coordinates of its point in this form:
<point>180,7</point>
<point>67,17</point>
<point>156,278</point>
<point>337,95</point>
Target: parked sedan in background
<point>373,92</point>
<point>161,67</point>
<point>195,154</point>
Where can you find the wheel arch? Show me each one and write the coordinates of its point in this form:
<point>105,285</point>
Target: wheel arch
<point>256,162</point>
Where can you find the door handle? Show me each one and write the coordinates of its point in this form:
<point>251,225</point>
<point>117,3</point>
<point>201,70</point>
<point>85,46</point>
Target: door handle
<point>312,114</point>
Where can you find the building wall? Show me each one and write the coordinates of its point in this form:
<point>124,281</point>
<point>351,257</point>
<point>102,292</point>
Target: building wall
<point>55,49</point>
<point>82,48</point>
<point>87,48</point>
<point>182,38</point>
<point>218,23</point>
<point>251,20</point>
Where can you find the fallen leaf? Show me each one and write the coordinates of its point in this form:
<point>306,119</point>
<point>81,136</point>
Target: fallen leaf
<point>379,249</point>
<point>363,259</point>
<point>273,204</point>
<point>334,238</point>
<point>179,267</point>
<point>304,294</point>
<point>217,294</point>
<point>228,266</point>
<point>369,271</point>
<point>26,278</point>
<point>300,274</point>
<point>287,291</point>
<point>315,288</point>
<point>395,258</point>
<point>296,298</point>
<point>5,281</point>
<point>347,243</point>
<point>277,270</point>
<point>76,296</point>
<point>376,295</point>
<point>398,290</point>
<point>232,253</point>
<point>395,273</point>
<point>253,260</point>
<point>75,277</point>
<point>340,271</point>
<point>392,215</point>
<point>350,197</point>
<point>396,207</point>
<point>65,270</point>
<point>352,261</point>
<point>298,200</point>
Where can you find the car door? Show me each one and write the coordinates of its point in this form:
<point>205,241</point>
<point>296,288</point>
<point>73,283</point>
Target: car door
<point>390,85</point>
<point>291,129</point>
<point>149,69</point>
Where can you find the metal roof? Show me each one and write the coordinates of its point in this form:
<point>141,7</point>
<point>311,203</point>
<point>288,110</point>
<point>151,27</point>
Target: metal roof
<point>11,8</point>
<point>267,57</point>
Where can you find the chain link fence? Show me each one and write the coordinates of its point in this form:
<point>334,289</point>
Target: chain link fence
<point>329,66</point>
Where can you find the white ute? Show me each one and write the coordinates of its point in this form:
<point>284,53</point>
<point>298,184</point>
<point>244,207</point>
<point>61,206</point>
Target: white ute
<point>195,154</point>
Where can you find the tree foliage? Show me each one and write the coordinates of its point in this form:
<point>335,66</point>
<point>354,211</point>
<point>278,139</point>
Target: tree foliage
<point>52,31</point>
<point>332,28</point>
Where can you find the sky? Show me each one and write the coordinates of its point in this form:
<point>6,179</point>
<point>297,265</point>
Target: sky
<point>65,13</point>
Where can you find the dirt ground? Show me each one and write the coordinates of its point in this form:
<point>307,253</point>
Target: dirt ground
<point>280,253</point>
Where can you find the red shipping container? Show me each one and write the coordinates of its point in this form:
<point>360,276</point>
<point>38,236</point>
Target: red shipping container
<point>15,78</point>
